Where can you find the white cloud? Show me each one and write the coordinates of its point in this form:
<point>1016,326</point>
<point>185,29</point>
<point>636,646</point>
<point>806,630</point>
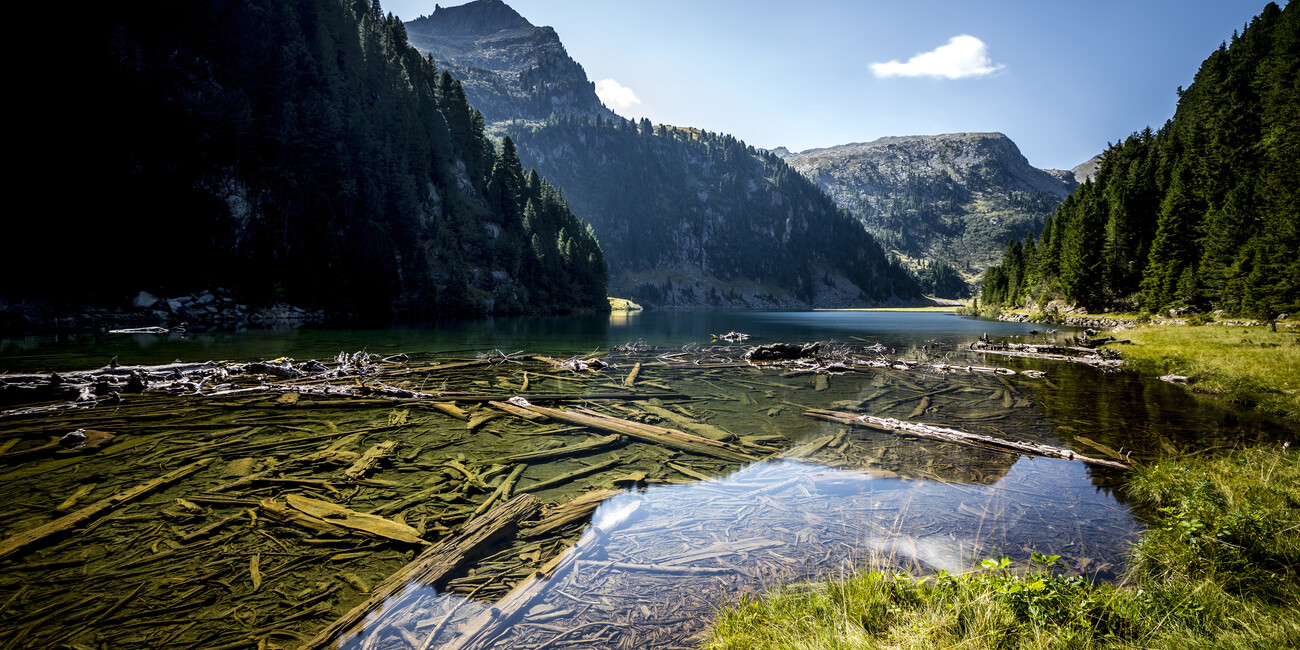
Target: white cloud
<point>616,95</point>
<point>963,56</point>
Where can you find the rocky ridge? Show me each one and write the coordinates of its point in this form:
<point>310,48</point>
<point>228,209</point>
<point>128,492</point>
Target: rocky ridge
<point>955,197</point>
<point>510,68</point>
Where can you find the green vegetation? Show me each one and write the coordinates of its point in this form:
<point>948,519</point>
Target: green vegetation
<point>298,151</point>
<point>1249,366</point>
<point>1200,214</point>
<point>706,204</point>
<point>1220,568</point>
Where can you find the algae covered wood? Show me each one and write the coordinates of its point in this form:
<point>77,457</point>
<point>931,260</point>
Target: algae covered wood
<point>431,567</point>
<point>667,437</point>
<point>345,518</point>
<point>961,437</point>
<point>482,630</point>
<point>22,541</point>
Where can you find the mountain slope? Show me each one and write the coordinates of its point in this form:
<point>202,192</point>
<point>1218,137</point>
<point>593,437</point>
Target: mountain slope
<point>955,198</point>
<point>693,219</point>
<point>686,218</point>
<point>510,69</point>
<point>296,150</point>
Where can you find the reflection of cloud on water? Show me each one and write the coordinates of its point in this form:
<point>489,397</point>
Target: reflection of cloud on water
<point>936,552</point>
<point>667,555</point>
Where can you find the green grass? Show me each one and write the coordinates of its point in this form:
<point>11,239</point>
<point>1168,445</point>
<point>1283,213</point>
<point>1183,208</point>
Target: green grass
<point>1217,570</point>
<point>1248,366</point>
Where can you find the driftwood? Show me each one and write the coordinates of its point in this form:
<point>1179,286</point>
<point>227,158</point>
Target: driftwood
<point>483,629</point>
<point>22,541</point>
<point>373,457</point>
<point>589,446</point>
<point>1087,357</point>
<point>961,437</point>
<point>431,568</point>
<point>345,518</point>
<point>575,474</point>
<point>667,437</point>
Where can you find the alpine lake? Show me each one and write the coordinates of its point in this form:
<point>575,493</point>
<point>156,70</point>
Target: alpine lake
<point>393,495</point>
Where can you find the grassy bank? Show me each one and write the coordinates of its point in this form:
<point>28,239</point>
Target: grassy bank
<point>1219,569</point>
<point>1249,366</point>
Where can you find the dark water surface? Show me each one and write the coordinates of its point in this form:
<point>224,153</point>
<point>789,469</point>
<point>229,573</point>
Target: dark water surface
<point>200,564</point>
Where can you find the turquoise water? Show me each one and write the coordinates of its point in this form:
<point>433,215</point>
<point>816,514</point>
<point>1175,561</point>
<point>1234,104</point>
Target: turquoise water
<point>677,534</point>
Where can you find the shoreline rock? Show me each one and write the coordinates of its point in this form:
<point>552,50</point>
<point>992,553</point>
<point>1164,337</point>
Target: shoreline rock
<point>216,308</point>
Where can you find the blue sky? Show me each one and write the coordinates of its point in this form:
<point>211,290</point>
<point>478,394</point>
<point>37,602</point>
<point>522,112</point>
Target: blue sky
<point>1061,79</point>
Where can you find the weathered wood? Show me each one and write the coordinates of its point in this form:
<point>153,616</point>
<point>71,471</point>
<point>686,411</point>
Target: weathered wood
<point>570,512</point>
<point>503,490</point>
<point>517,412</point>
<point>346,518</point>
<point>21,542</point>
<point>482,630</point>
<point>667,437</point>
<point>631,376</point>
<point>570,450</point>
<point>371,459</point>
<point>961,437</point>
<point>697,428</point>
<point>430,569</point>
<point>575,474</point>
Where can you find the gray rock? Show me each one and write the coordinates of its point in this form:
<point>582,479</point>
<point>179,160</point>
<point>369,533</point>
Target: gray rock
<point>145,300</point>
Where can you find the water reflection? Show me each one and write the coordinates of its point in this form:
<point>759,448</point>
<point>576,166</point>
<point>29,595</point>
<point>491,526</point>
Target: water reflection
<point>655,562</point>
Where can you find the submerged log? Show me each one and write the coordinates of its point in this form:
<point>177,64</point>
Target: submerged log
<point>961,437</point>
<point>22,541</point>
<point>345,518</point>
<point>371,459</point>
<point>431,568</point>
<point>589,446</point>
<point>482,630</point>
<point>667,437</point>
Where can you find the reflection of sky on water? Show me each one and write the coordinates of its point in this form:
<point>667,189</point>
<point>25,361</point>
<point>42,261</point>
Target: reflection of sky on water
<point>783,521</point>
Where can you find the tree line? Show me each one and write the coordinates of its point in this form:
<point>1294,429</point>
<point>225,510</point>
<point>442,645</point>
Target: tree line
<point>292,150</point>
<point>1203,213</point>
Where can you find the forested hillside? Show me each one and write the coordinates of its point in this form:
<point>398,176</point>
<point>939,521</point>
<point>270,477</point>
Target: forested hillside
<point>1203,213</point>
<point>289,150</point>
<point>692,218</point>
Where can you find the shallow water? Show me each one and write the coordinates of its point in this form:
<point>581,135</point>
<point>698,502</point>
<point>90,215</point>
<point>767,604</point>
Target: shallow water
<point>200,564</point>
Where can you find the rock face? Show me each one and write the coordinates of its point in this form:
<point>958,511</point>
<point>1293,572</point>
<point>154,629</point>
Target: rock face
<point>687,219</point>
<point>510,69</point>
<point>956,197</point>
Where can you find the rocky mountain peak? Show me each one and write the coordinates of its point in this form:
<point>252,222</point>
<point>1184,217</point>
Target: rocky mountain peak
<point>510,68</point>
<point>956,197</point>
<point>478,18</point>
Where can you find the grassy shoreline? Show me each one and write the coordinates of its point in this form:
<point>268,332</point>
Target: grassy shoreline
<point>1246,366</point>
<point>1219,567</point>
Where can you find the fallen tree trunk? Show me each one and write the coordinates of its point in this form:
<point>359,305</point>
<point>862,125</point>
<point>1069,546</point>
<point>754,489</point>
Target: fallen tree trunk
<point>482,630</point>
<point>430,569</point>
<point>26,539</point>
<point>667,437</point>
<point>952,435</point>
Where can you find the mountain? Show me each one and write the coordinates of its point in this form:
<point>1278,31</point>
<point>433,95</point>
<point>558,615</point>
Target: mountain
<point>687,219</point>
<point>955,198</point>
<point>1201,214</point>
<point>695,219</point>
<point>290,150</point>
<point>510,69</point>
